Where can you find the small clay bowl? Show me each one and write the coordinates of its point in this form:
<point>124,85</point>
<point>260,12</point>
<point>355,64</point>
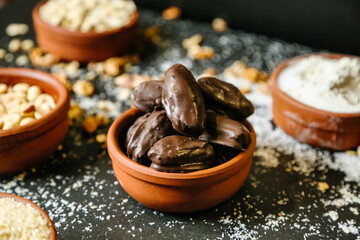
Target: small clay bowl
<point>53,235</point>
<point>80,46</point>
<point>26,146</point>
<point>336,131</point>
<point>175,192</point>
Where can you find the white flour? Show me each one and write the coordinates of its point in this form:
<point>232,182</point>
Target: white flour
<point>326,84</point>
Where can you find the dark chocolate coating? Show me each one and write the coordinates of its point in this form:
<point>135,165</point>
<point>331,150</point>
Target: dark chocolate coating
<point>147,96</point>
<point>133,127</point>
<point>181,154</point>
<point>225,131</point>
<point>146,133</point>
<point>183,101</point>
<point>225,98</point>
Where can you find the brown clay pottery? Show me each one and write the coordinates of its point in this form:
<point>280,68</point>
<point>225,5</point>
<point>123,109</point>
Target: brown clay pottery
<point>53,235</point>
<point>336,131</point>
<point>175,192</point>
<point>25,146</point>
<point>84,47</point>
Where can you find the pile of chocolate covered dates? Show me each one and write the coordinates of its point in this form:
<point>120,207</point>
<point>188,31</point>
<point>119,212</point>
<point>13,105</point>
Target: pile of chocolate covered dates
<point>187,125</point>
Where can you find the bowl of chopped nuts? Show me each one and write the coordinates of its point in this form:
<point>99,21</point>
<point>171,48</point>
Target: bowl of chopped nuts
<point>186,145</point>
<point>33,117</point>
<point>85,32</point>
<point>35,223</point>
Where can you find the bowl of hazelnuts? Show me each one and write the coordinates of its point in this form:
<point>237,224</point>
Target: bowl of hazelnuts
<point>186,145</point>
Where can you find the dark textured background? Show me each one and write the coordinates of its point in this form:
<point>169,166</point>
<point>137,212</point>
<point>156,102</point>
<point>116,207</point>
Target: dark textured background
<point>78,189</point>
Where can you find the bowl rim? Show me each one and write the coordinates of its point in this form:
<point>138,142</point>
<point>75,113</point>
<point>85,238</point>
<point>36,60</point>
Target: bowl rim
<point>118,156</point>
<point>311,110</point>
<point>53,234</point>
<point>50,119</point>
<point>63,31</point>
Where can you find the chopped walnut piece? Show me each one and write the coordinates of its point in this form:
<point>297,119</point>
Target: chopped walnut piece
<point>323,186</point>
<point>152,34</point>
<point>90,124</point>
<point>102,120</point>
<point>235,70</point>
<point>251,74</point>
<point>83,87</point>
<point>130,81</point>
<point>198,52</point>
<point>171,13</point>
<point>97,67</point>
<point>219,25</point>
<point>112,65</point>
<point>191,41</point>
<point>74,114</point>
<point>40,59</point>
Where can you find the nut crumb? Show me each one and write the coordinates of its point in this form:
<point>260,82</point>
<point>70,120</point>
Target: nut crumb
<point>83,87</point>
<point>112,65</point>
<point>264,88</point>
<point>152,34</point>
<point>63,79</point>
<point>40,59</point>
<point>323,186</point>
<point>191,41</point>
<point>351,152</point>
<point>171,13</point>
<point>358,151</point>
<point>200,52</point>
<point>90,124</point>
<point>74,114</point>
<point>14,45</point>
<point>16,29</point>
<point>101,138</point>
<point>2,53</point>
<point>130,81</point>
<point>219,25</point>
<point>27,45</point>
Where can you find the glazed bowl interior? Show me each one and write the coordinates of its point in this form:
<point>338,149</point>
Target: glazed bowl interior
<point>330,130</point>
<point>53,235</point>
<point>117,140</point>
<point>47,84</point>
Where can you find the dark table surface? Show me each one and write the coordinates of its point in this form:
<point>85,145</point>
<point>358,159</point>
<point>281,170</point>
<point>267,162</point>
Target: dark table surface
<point>280,199</point>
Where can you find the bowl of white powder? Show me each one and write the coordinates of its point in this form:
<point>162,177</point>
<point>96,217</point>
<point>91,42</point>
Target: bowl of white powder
<point>22,219</point>
<point>316,99</point>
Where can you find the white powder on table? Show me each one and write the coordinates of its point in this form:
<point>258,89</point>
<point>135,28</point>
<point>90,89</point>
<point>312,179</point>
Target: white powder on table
<point>328,84</point>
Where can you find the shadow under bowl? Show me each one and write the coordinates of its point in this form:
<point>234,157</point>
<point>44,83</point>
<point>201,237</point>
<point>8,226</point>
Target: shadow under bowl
<point>26,146</point>
<point>53,235</point>
<point>175,192</point>
<point>84,46</point>
<point>329,130</point>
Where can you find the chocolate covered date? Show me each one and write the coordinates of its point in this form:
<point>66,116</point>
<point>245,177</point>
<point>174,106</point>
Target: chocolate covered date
<point>133,127</point>
<point>147,96</point>
<point>225,98</point>
<point>183,101</point>
<point>155,126</point>
<point>225,131</point>
<point>181,154</point>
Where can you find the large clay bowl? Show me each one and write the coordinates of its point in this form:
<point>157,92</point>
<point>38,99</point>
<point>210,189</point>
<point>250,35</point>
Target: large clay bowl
<point>336,131</point>
<point>175,192</point>
<point>53,235</point>
<point>80,46</point>
<point>26,146</point>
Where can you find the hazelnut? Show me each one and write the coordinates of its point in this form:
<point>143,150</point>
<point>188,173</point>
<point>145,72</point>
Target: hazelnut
<point>83,87</point>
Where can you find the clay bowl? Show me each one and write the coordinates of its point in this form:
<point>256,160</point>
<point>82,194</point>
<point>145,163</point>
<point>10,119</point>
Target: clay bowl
<point>175,192</point>
<point>336,131</point>
<point>26,146</point>
<point>84,47</point>
<point>53,235</point>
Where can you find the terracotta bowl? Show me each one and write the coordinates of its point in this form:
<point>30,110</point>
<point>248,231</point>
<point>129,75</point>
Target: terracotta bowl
<point>25,146</point>
<point>175,192</point>
<point>53,235</point>
<point>336,131</point>
<point>84,47</point>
